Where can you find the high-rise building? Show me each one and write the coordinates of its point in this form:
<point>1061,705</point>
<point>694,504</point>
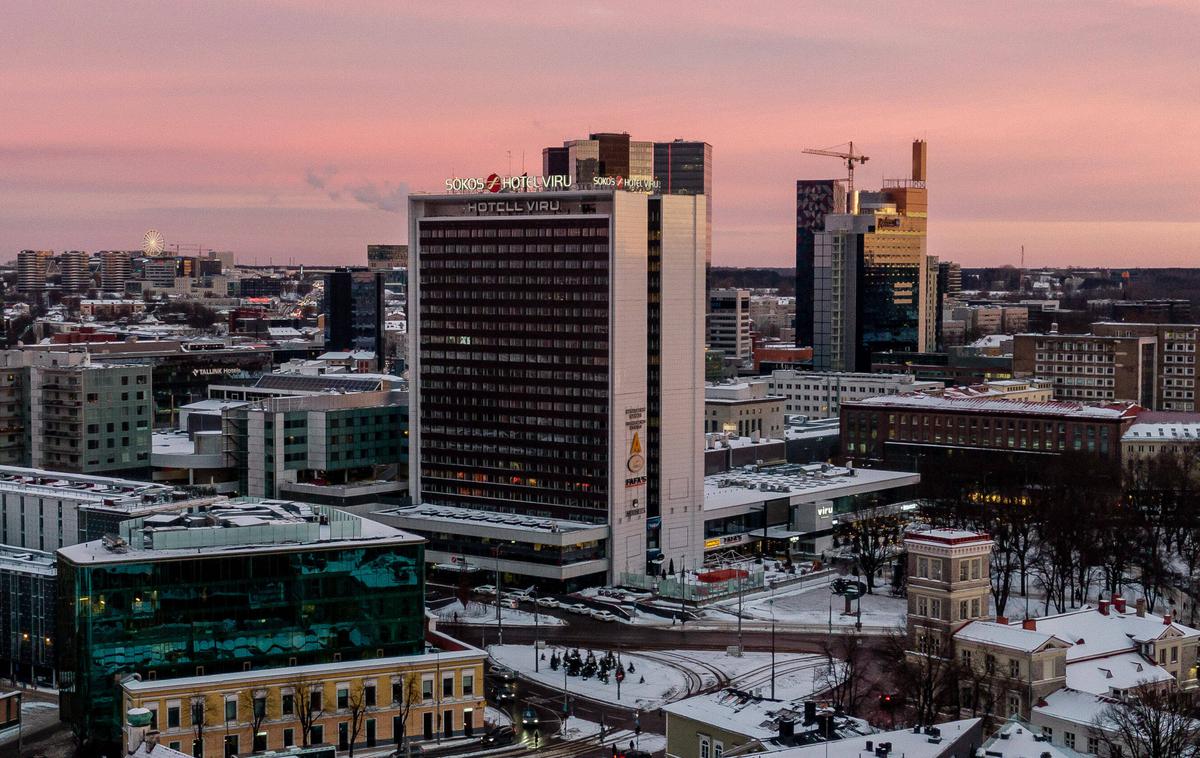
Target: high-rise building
<point>684,167</point>
<point>729,323</point>
<point>236,586</point>
<point>387,256</point>
<point>867,271</point>
<point>556,352</point>
<point>1091,368</point>
<point>815,199</point>
<point>354,311</point>
<point>678,167</point>
<point>114,270</point>
<point>31,271</point>
<point>68,414</point>
<point>74,275</point>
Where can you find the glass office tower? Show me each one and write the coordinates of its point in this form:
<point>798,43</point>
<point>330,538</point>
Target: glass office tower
<point>243,587</point>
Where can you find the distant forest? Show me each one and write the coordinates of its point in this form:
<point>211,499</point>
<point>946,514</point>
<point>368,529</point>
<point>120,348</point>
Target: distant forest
<point>782,279</point>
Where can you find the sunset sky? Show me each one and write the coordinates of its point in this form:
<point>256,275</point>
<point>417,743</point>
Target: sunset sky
<point>293,130</point>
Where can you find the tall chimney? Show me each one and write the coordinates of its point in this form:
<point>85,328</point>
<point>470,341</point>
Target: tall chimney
<point>920,154</point>
<point>1140,604</point>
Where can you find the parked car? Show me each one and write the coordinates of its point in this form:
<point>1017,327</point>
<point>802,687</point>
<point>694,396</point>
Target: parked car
<point>580,608</point>
<point>509,602</point>
<point>485,589</point>
<point>498,735</point>
<point>603,616</point>
<point>547,602</point>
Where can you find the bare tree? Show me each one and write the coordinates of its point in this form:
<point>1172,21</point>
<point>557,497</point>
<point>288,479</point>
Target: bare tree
<point>254,702</point>
<point>198,707</point>
<point>356,705</point>
<point>308,704</point>
<point>873,539</point>
<point>406,698</point>
<point>844,679</point>
<point>923,672</point>
<point>1150,723</point>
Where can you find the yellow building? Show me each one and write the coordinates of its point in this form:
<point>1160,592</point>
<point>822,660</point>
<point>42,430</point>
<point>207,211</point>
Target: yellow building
<point>367,703</point>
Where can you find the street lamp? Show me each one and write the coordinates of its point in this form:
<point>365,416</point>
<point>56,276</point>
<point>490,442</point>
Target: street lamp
<point>499,579</point>
<point>771,602</point>
<point>536,652</point>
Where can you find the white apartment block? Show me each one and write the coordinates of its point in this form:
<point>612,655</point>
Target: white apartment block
<point>819,394</point>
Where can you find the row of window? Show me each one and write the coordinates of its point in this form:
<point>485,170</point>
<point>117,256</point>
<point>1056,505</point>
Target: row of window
<point>451,232</point>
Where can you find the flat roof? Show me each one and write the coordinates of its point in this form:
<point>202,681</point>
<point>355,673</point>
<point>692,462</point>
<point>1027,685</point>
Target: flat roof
<point>453,514</point>
<point>1056,408</point>
<point>817,481</point>
<point>234,528</point>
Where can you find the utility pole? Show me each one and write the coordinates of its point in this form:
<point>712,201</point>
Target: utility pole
<point>739,581</point>
<point>499,579</point>
<point>536,652</point>
<point>772,603</point>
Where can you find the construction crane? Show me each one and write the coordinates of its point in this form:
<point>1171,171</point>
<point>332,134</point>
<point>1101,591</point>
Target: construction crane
<point>850,157</point>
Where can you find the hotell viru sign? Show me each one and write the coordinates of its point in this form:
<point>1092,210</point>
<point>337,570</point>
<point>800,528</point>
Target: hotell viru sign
<point>527,183</point>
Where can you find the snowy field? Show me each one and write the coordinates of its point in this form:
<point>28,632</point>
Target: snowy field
<point>485,613</point>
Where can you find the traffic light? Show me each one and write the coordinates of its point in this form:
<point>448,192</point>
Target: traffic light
<point>885,701</point>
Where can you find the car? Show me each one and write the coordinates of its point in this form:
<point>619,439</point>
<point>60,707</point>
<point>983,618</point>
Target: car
<point>529,718</point>
<point>603,616</point>
<point>509,602</point>
<point>547,602</point>
<point>580,608</point>
<point>501,674</point>
<point>504,692</point>
<point>498,735</point>
<point>485,589</point>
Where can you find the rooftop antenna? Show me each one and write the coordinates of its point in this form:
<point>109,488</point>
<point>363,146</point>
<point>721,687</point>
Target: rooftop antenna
<point>1022,257</point>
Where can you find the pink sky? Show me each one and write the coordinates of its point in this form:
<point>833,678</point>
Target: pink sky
<point>291,130</point>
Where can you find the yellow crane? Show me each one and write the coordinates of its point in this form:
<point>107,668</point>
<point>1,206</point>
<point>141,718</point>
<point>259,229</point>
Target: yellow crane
<point>850,157</point>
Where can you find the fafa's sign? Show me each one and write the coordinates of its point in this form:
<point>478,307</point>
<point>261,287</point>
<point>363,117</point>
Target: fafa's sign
<point>498,183</point>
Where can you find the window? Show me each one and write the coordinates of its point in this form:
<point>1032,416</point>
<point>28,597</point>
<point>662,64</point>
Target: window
<point>1048,732</point>
<point>231,708</point>
<point>963,570</point>
<point>1069,740</point>
<point>427,689</point>
<point>287,703</point>
<point>705,747</point>
<point>316,734</point>
<point>289,737</point>
<point>1093,745</point>
<point>448,685</point>
<point>343,697</point>
<point>314,700</point>
<point>1014,668</point>
<point>173,716</point>
<point>935,569</point>
<point>718,749</point>
<point>369,695</point>
<point>468,685</point>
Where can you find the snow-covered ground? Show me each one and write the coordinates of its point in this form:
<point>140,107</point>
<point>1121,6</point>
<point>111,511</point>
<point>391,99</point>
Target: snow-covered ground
<point>812,605</point>
<point>663,676</point>
<point>485,613</point>
<point>496,717</point>
<point>663,682</point>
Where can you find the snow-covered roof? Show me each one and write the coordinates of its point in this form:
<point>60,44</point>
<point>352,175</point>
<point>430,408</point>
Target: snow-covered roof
<point>1057,408</point>
<point>1092,633</point>
<point>1017,738</point>
<point>1073,706</point>
<point>1188,431</point>
<point>1107,675</point>
<point>747,713</point>
<point>905,742</point>
<point>1003,635</point>
<point>741,487</point>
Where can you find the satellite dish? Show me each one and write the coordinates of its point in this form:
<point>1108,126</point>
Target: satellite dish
<point>152,242</point>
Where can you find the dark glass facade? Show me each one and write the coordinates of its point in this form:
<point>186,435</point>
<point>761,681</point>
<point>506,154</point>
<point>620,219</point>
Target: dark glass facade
<point>514,364</point>
<point>685,168</point>
<point>354,311</point>
<point>213,613</point>
<point>814,199</point>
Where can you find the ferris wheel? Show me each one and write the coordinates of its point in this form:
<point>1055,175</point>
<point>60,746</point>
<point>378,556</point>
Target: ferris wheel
<point>152,242</point>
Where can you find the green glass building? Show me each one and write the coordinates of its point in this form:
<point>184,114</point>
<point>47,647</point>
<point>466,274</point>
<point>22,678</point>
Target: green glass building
<point>241,586</point>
